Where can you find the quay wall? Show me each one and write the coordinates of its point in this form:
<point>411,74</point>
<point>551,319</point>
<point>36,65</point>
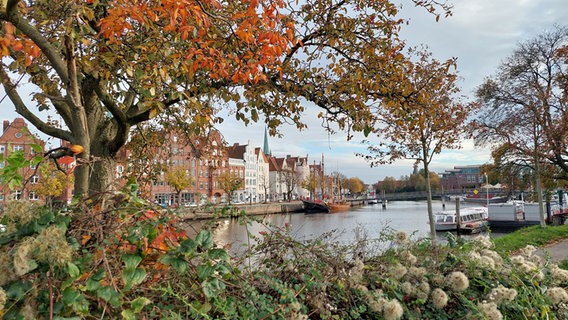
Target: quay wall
<point>255,209</point>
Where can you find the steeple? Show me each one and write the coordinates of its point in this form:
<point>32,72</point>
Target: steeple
<point>265,149</point>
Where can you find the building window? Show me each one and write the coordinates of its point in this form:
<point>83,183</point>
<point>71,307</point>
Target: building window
<point>33,195</point>
<point>17,194</point>
<point>2,149</point>
<point>119,169</point>
<point>34,179</point>
<point>18,147</point>
<point>18,135</point>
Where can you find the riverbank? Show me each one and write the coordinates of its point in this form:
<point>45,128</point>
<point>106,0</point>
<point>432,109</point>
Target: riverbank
<point>255,209</point>
<point>252,209</point>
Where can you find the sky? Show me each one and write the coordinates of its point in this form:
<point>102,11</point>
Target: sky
<point>480,33</point>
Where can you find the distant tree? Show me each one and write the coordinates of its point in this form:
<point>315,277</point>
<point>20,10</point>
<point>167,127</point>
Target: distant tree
<point>51,183</point>
<point>180,179</point>
<point>389,184</point>
<point>291,179</point>
<point>230,182</point>
<point>426,120</point>
<point>355,186</point>
<point>417,181</point>
<point>525,110</point>
<point>309,183</point>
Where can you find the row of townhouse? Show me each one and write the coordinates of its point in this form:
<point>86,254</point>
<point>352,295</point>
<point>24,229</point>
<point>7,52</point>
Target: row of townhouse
<point>266,178</point>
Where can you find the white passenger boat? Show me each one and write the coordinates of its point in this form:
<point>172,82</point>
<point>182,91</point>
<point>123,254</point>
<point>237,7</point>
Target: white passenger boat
<point>473,219</point>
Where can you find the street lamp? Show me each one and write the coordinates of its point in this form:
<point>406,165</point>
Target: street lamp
<point>486,190</point>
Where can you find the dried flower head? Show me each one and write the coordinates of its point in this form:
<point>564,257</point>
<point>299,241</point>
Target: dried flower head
<point>457,281</point>
<point>20,212</point>
<point>8,273</point>
<point>559,275</point>
<point>490,311</point>
<point>377,305</point>
<point>493,255</point>
<point>527,251</point>
<point>401,237</point>
<point>407,257</point>
<point>408,288</point>
<point>483,242</point>
<point>392,310</point>
<point>2,299</point>
<point>356,273</point>
<point>557,295</point>
<point>23,262</point>
<point>439,298</point>
<point>417,273</point>
<point>52,246</point>
<point>502,294</point>
<point>398,271</point>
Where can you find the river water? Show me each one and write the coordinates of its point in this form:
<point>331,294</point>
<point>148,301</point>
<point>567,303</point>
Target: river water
<point>408,216</point>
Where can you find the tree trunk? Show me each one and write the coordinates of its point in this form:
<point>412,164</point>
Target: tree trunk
<point>102,175</point>
<point>429,204</point>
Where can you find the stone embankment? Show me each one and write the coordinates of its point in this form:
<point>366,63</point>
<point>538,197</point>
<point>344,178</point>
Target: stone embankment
<point>208,212</point>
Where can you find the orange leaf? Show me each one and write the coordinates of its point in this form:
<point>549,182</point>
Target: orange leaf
<point>85,239</point>
<point>66,160</point>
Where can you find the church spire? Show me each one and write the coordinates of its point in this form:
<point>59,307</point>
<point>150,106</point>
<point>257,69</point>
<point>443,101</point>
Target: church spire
<point>265,149</point>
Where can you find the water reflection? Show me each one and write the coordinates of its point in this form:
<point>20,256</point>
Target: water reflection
<point>408,216</point>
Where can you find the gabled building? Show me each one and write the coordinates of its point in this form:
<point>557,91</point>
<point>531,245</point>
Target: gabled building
<point>262,176</point>
<point>202,159</point>
<point>16,137</point>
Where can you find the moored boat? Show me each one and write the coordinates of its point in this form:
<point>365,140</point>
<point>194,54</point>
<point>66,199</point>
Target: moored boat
<point>338,206</point>
<point>472,219</point>
<point>315,207</point>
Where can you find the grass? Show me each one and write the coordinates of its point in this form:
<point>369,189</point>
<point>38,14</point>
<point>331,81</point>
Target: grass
<point>534,235</point>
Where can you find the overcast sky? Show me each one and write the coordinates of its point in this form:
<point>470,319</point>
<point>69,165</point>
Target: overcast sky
<point>481,33</point>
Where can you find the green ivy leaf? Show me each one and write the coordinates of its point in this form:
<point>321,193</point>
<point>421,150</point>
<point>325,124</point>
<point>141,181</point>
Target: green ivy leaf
<point>133,277</point>
<point>110,295</point>
<point>204,239</point>
<point>139,303</point>
<point>73,270</point>
<point>18,289</point>
<point>177,263</point>
<point>128,314</point>
<point>131,261</point>
<point>219,254</point>
<point>204,271</point>
<point>212,287</point>
<point>188,246</point>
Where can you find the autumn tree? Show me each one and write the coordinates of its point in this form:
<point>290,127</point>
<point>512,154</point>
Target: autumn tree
<point>524,111</point>
<point>309,183</point>
<point>388,184</point>
<point>106,66</point>
<point>427,119</point>
<point>355,186</point>
<point>230,182</point>
<point>291,179</point>
<point>51,183</point>
<point>180,179</point>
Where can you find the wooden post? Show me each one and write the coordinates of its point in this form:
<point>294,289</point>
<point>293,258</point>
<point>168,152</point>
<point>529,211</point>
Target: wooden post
<point>458,222</point>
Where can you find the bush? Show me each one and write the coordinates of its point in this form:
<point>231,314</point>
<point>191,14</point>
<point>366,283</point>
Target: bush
<point>131,261</point>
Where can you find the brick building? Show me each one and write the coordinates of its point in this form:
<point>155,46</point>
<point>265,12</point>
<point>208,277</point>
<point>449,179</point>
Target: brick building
<point>16,137</point>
